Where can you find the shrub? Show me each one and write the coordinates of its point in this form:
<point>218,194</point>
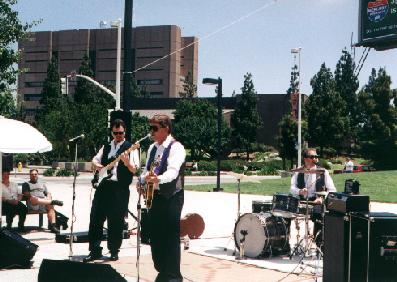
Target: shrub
<point>188,171</point>
<point>324,163</point>
<point>206,165</point>
<point>268,170</point>
<point>64,172</point>
<point>49,172</point>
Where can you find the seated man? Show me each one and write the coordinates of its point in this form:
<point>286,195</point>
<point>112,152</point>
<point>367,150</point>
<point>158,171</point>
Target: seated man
<point>39,199</point>
<point>11,202</point>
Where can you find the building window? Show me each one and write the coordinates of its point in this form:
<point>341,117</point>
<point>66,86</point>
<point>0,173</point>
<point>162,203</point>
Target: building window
<point>30,112</point>
<point>34,84</point>
<point>156,94</point>
<point>32,97</point>
<point>149,81</point>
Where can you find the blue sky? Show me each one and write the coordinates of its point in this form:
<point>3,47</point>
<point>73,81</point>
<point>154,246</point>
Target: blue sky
<point>236,36</point>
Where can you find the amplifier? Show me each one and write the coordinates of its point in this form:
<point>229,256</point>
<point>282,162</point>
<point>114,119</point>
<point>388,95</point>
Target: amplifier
<point>345,203</point>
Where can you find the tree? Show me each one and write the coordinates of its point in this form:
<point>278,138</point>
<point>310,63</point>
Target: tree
<point>140,128</point>
<point>378,130</point>
<point>245,119</point>
<point>7,105</point>
<point>11,31</point>
<point>51,92</point>
<point>346,84</point>
<point>189,88</point>
<point>325,108</point>
<point>195,125</point>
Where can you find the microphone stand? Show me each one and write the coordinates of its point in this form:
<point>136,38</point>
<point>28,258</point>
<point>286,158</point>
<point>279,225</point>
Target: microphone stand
<point>138,233</point>
<point>71,237</point>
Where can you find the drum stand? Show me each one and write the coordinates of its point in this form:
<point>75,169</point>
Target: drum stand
<point>231,238</point>
<point>302,246</point>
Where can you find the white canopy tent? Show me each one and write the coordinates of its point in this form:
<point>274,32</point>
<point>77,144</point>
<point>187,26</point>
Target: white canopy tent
<point>20,137</point>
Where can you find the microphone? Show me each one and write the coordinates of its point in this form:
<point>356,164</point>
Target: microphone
<point>81,136</point>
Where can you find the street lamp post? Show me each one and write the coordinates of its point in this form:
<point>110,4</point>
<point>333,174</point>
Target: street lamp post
<point>298,51</point>
<point>218,82</point>
<point>117,24</point>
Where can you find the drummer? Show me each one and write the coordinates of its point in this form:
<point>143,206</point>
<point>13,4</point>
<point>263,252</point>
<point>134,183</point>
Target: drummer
<point>310,179</point>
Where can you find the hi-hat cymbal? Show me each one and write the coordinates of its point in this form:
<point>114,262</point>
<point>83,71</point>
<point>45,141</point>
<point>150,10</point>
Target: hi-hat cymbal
<point>304,170</point>
<point>322,193</point>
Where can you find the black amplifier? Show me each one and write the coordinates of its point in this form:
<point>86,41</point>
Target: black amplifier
<point>345,203</point>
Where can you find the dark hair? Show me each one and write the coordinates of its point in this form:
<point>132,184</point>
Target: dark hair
<point>117,123</point>
<point>33,169</point>
<point>306,151</point>
<point>162,120</point>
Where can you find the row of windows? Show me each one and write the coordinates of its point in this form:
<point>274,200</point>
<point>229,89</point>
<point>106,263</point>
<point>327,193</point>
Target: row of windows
<point>32,97</point>
<point>34,84</point>
<point>149,82</point>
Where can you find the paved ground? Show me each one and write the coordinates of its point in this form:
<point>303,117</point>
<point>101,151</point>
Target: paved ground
<point>219,211</point>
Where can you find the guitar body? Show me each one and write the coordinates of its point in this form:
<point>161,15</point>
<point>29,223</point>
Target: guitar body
<point>149,195</point>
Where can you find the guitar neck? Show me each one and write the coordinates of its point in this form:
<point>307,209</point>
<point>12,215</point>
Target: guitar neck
<point>129,150</point>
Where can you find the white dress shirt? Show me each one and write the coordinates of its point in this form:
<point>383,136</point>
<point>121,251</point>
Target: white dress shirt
<point>114,147</point>
<point>11,192</point>
<point>174,162</point>
<point>310,183</point>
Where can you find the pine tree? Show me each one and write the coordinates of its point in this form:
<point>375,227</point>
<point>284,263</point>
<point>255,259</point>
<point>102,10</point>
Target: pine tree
<point>327,123</point>
<point>189,88</point>
<point>245,119</point>
<point>378,132</point>
<point>7,105</point>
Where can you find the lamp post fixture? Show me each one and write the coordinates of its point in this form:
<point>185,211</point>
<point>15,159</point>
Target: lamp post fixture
<point>298,51</point>
<point>218,82</point>
<point>117,24</point>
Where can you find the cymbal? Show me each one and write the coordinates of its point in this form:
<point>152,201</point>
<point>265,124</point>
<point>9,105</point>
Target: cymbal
<point>243,177</point>
<point>309,171</point>
<point>322,193</point>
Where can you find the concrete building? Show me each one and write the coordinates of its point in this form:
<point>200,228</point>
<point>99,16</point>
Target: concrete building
<point>163,79</point>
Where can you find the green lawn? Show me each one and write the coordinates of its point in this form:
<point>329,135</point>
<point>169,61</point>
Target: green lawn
<point>381,186</point>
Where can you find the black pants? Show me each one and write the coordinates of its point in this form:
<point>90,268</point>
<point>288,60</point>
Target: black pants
<point>110,203</point>
<point>165,216</point>
<point>10,211</point>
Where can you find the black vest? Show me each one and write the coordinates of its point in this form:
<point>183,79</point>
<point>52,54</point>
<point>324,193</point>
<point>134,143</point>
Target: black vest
<point>124,176</point>
<point>167,189</point>
<point>320,182</point>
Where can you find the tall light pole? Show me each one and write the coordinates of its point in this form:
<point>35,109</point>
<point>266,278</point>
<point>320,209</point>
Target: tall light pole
<point>117,24</point>
<point>218,82</point>
<point>298,51</point>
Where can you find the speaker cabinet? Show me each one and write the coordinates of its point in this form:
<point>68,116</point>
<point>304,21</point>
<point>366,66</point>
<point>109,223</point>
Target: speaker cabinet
<point>360,247</point>
<point>15,251</point>
<point>66,271</point>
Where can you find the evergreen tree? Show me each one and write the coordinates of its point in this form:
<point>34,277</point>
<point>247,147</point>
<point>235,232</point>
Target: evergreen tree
<point>245,119</point>
<point>195,125</point>
<point>189,88</point>
<point>11,31</point>
<point>7,105</point>
<point>327,124</point>
<point>51,92</point>
<point>347,85</point>
<point>378,132</point>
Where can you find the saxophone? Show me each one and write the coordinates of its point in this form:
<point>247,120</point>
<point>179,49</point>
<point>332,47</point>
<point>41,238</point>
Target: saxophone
<point>149,193</point>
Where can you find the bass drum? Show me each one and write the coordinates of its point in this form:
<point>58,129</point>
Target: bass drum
<point>262,235</point>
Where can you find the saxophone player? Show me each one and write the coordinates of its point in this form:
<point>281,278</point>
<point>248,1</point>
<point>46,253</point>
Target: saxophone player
<point>165,212</point>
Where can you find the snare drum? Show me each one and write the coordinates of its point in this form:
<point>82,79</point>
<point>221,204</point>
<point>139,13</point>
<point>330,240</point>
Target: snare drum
<point>285,205</point>
<point>261,206</point>
<point>262,235</point>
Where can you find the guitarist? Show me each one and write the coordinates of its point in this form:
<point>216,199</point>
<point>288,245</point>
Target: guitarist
<point>165,212</point>
<point>111,197</point>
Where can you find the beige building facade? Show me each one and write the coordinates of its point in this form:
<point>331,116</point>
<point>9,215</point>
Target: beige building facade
<point>161,59</point>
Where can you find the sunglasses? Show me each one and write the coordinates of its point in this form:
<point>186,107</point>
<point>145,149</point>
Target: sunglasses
<point>312,157</point>
<point>154,128</point>
<point>118,132</point>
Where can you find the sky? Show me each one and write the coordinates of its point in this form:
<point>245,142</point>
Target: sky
<point>235,36</point>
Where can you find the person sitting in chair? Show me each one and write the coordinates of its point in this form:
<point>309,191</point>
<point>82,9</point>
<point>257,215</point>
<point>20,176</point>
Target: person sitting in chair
<point>39,199</point>
<point>11,202</point>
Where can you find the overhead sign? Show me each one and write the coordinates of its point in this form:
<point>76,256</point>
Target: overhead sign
<point>378,24</point>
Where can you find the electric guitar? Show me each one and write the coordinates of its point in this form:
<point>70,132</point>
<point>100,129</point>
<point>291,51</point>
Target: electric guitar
<point>105,172</point>
<point>149,189</point>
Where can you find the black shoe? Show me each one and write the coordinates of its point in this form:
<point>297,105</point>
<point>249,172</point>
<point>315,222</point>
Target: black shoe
<point>21,228</point>
<point>92,256</point>
<point>56,203</point>
<point>114,256</point>
<point>53,228</point>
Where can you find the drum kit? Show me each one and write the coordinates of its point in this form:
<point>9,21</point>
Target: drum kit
<point>266,231</point>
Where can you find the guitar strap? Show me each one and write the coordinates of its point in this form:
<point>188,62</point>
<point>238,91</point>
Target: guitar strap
<point>151,157</point>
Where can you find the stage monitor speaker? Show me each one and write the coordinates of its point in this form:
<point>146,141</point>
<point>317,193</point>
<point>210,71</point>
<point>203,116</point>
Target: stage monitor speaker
<point>360,247</point>
<point>124,116</point>
<point>15,251</point>
<point>66,271</point>
<point>8,162</point>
